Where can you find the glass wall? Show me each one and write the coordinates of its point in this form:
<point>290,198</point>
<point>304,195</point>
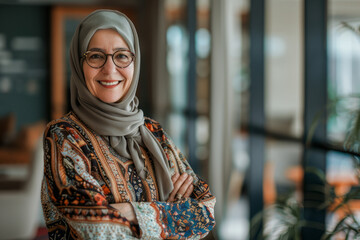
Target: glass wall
<point>343,112</point>
<point>283,109</point>
<point>284,103</point>
<point>235,223</point>
<point>283,90</point>
<point>284,67</point>
<point>181,87</point>
<point>344,71</point>
<point>176,58</point>
<point>284,98</point>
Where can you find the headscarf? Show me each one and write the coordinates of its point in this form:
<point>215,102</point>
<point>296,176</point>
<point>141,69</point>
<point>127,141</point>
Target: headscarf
<point>122,123</point>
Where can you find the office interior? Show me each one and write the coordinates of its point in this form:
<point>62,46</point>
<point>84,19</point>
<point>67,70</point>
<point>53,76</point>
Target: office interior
<point>262,96</point>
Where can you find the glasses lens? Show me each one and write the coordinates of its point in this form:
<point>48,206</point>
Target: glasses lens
<point>122,58</point>
<point>95,59</point>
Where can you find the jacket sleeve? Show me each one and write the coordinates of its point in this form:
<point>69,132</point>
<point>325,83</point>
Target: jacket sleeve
<point>190,218</point>
<point>74,203</point>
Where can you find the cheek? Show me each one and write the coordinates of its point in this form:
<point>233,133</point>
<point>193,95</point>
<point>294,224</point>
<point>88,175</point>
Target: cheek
<point>130,73</point>
<point>89,75</point>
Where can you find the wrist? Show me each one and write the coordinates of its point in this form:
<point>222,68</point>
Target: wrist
<point>126,210</point>
<point>130,213</point>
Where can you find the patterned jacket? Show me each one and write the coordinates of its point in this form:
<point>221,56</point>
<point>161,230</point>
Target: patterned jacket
<point>83,175</point>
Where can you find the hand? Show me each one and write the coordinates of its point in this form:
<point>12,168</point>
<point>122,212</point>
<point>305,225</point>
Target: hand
<point>127,211</point>
<point>183,187</point>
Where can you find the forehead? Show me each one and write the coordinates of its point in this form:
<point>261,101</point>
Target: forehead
<point>107,38</point>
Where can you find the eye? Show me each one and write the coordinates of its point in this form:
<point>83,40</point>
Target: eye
<point>96,56</point>
<point>122,56</point>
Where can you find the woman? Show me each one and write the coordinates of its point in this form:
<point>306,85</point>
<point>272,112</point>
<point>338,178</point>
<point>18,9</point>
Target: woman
<point>109,172</point>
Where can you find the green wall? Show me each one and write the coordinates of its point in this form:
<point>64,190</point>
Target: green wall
<point>24,62</point>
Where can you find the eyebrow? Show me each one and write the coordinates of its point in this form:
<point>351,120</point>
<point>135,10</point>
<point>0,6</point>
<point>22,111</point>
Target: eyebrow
<point>102,50</point>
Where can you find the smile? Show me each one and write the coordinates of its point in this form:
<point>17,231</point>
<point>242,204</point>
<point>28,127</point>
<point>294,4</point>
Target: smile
<point>109,83</point>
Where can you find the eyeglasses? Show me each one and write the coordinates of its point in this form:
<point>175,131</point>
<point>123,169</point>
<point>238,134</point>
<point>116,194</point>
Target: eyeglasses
<point>96,59</point>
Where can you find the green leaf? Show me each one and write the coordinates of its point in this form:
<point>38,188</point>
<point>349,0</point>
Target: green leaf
<point>347,235</point>
<point>317,172</point>
<point>352,141</point>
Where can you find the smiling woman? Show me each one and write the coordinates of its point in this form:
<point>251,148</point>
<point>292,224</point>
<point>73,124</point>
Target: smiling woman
<point>108,80</point>
<point>110,172</point>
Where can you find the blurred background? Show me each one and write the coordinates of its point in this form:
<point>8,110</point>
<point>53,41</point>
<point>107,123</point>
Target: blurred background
<point>241,86</point>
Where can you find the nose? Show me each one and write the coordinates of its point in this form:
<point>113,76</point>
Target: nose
<point>109,66</point>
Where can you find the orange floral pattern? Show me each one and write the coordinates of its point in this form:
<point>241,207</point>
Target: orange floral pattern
<point>83,175</point>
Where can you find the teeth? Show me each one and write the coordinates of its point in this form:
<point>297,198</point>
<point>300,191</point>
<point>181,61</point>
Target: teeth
<point>109,83</point>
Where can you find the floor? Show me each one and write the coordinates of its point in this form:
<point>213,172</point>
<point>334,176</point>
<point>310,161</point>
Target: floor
<point>236,224</point>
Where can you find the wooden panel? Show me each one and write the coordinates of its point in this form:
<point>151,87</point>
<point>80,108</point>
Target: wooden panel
<point>14,156</point>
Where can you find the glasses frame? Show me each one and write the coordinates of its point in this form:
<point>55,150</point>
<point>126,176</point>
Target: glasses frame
<point>106,57</point>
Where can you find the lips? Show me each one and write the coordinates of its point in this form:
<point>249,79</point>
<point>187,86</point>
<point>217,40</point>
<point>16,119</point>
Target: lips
<point>109,83</point>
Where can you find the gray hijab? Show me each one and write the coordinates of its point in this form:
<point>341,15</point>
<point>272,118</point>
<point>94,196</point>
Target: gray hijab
<point>122,123</point>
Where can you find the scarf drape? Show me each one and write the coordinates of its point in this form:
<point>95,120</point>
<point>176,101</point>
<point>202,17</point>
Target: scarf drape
<point>121,123</point>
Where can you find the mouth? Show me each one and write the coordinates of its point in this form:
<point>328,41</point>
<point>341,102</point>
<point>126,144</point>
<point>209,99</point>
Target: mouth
<point>109,83</point>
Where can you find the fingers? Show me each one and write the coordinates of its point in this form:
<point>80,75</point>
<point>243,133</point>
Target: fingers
<point>175,177</point>
<point>182,186</point>
<point>189,191</point>
<point>177,184</point>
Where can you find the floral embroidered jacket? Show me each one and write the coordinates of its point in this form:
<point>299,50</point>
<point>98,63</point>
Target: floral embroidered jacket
<point>83,175</point>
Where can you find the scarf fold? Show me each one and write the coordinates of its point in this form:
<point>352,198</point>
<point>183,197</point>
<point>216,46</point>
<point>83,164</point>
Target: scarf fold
<point>122,123</point>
